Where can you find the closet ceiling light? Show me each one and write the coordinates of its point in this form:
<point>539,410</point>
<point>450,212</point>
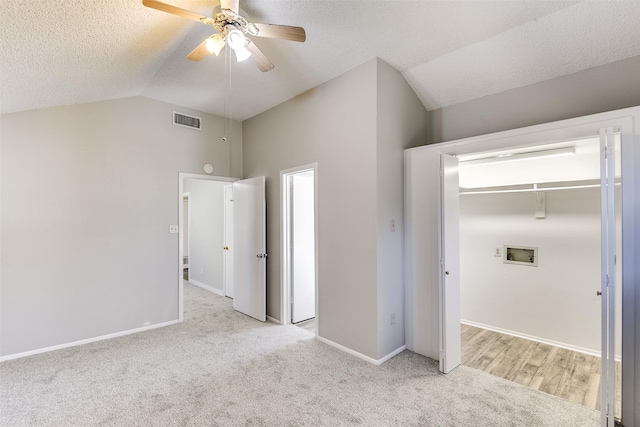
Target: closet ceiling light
<point>512,157</point>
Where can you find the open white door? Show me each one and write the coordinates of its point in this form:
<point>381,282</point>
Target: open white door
<point>450,345</point>
<point>302,247</point>
<point>608,272</point>
<point>249,255</point>
<point>228,241</point>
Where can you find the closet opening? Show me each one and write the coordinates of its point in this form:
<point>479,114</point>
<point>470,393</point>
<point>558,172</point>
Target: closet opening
<point>530,247</point>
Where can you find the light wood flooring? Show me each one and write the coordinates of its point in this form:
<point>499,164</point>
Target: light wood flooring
<point>564,373</point>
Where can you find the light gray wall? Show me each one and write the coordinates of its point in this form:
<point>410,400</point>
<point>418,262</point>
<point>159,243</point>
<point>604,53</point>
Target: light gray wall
<point>206,232</point>
<point>599,89</point>
<point>401,123</point>
<point>88,194</point>
<point>355,127</point>
<point>333,125</point>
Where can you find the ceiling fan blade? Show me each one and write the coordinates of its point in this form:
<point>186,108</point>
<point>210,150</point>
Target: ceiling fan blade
<point>230,4</point>
<point>173,10</point>
<point>199,52</point>
<point>258,57</point>
<point>284,32</point>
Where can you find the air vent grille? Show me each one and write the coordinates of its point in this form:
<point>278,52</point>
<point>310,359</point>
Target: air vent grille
<point>192,122</point>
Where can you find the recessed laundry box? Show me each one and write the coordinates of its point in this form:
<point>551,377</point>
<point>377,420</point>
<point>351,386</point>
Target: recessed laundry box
<point>521,255</point>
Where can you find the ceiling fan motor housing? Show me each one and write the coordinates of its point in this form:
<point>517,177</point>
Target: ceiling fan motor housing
<point>223,20</point>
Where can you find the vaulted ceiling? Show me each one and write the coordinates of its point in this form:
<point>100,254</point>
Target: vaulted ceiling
<point>76,51</point>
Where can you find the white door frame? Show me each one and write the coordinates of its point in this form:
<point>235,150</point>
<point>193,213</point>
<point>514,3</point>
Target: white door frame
<point>228,253</point>
<point>423,283</point>
<point>285,262</point>
<point>181,177</point>
<point>186,195</point>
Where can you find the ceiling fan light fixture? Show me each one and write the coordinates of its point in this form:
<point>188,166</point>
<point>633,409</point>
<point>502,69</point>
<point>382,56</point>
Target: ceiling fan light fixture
<point>236,39</point>
<point>242,54</point>
<point>252,29</point>
<point>215,43</point>
<point>238,42</point>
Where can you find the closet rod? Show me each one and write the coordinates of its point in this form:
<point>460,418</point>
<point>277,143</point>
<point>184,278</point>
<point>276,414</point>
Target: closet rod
<point>532,190</point>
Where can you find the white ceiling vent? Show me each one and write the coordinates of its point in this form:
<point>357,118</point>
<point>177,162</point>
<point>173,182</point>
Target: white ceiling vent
<point>193,122</point>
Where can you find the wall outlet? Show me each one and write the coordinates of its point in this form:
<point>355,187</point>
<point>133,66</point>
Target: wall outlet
<point>173,229</point>
<point>497,251</point>
<point>393,318</point>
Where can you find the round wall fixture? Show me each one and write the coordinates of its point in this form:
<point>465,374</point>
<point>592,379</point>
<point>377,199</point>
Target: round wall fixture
<point>208,168</point>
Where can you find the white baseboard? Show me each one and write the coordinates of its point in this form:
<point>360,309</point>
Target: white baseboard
<point>392,354</point>
<point>86,341</point>
<point>271,319</point>
<point>207,287</point>
<point>566,346</point>
<point>360,355</point>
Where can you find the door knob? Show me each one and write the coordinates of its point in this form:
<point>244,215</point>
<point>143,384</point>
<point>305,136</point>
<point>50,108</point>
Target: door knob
<point>598,293</point>
<point>261,255</point>
<point>446,273</point>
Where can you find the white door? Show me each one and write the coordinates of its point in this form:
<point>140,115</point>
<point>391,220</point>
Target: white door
<point>302,247</point>
<point>450,345</point>
<point>608,272</point>
<point>249,253</point>
<point>228,241</point>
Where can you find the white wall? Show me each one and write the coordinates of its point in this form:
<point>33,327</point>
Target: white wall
<point>342,125</point>
<point>88,194</point>
<point>553,302</point>
<point>206,232</point>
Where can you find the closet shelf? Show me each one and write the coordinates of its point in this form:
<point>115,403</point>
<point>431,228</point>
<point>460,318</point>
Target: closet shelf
<point>535,188</point>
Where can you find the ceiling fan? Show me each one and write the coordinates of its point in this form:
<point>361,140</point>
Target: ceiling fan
<point>233,30</point>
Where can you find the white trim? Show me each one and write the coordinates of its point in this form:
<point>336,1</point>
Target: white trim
<point>391,355</point>
<point>86,341</point>
<point>271,319</point>
<point>559,344</point>
<point>360,355</point>
<point>285,284</point>
<point>186,197</point>
<point>181,177</point>
<point>207,287</point>
<point>562,130</point>
<point>226,238</point>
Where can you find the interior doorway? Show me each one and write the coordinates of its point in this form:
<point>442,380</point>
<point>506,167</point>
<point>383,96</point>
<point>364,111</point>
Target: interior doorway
<point>299,246</point>
<point>536,320</point>
<point>201,232</point>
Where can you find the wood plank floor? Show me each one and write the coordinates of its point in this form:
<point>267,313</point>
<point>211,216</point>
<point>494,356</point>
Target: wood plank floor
<point>564,373</point>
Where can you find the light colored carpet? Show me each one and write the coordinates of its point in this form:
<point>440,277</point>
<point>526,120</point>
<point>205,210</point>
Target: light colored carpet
<point>221,368</point>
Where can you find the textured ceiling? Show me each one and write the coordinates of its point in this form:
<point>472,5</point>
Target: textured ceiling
<point>75,51</point>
